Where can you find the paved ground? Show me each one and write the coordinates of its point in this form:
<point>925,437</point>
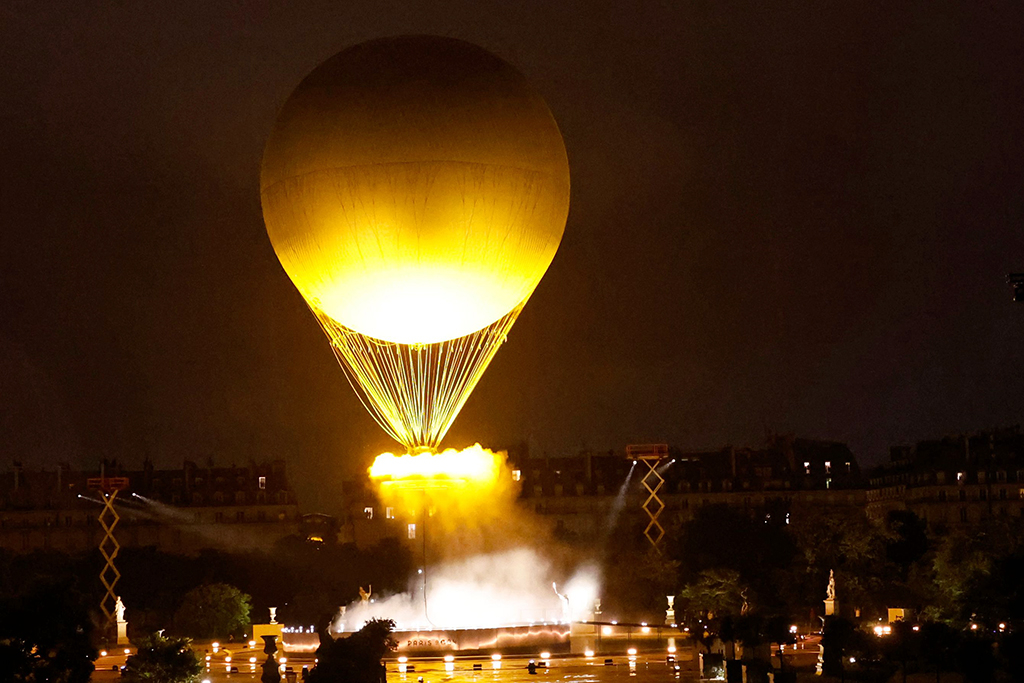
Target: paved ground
<point>513,670</point>
<point>561,669</point>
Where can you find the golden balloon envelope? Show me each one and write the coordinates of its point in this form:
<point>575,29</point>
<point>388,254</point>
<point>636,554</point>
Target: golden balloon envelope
<point>415,189</point>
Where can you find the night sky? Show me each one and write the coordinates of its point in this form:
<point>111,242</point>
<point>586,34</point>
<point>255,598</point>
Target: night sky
<point>793,217</point>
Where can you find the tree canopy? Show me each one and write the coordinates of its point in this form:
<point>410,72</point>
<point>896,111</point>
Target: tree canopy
<point>213,610</point>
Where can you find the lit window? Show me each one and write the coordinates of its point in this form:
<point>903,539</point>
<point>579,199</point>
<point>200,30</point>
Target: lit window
<point>807,468</point>
<point>263,483</point>
<point>412,531</point>
<point>389,513</point>
<point>517,475</point>
<point>368,511</point>
<point>828,467</point>
<point>960,476</point>
<point>828,483</point>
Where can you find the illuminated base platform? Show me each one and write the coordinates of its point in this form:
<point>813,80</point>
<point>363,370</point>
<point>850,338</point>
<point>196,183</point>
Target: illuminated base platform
<point>558,639</point>
<point>503,639</point>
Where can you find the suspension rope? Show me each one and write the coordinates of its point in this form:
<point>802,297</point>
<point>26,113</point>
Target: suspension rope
<point>415,392</point>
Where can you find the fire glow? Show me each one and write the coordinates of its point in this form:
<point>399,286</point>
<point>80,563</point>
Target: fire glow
<point>484,562</point>
<point>475,465</point>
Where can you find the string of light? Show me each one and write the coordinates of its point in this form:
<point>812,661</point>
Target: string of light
<point>415,391</point>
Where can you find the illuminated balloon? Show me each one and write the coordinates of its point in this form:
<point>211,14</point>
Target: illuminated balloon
<point>415,190</point>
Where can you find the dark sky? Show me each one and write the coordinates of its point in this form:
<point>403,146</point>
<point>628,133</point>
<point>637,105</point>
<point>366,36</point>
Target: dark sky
<point>785,216</point>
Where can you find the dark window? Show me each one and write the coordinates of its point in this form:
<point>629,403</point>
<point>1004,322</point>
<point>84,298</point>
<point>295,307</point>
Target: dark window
<point>963,514</point>
<point>261,516</point>
<point>942,496</point>
<point>239,516</point>
<point>218,517</point>
<point>963,494</point>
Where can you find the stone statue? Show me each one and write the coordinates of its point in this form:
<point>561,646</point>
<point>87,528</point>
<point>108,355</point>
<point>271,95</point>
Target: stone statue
<point>364,595</point>
<point>121,623</point>
<point>273,615</point>
<point>830,592</point>
<point>566,609</point>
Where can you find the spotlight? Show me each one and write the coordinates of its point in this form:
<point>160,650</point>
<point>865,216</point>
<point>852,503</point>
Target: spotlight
<point>631,651</point>
<point>588,654</point>
<point>449,658</point>
<point>496,658</point>
<point>103,653</point>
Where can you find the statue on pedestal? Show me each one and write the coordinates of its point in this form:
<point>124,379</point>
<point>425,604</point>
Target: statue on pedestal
<point>566,609</point>
<point>830,594</point>
<point>364,595</point>
<point>122,624</point>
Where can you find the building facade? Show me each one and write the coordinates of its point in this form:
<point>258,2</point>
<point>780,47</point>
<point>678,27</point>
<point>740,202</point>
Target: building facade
<point>583,496</point>
<point>960,481</point>
<point>176,510</point>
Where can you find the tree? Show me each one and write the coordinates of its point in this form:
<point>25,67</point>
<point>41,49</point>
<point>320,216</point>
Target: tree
<point>715,593</point>
<point>213,610</point>
<point>908,540</point>
<point>163,660</point>
<point>847,542</point>
<point>46,635</point>
<point>752,544</point>
<point>357,658</point>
